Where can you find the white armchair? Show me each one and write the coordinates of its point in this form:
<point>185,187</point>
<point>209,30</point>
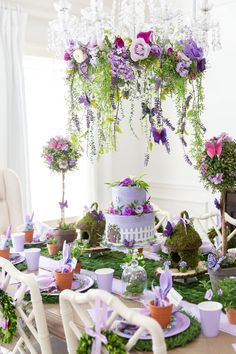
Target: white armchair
<point>73,311</point>
<point>11,207</point>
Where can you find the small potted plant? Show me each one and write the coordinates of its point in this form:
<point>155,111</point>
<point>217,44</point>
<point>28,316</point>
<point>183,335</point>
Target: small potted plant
<point>29,228</point>
<point>61,155</point>
<point>77,250</point>
<point>64,277</point>
<point>5,243</point>
<point>51,243</point>
<point>183,266</point>
<point>160,307</point>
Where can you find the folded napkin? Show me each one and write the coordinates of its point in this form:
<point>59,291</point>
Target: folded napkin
<point>46,282</point>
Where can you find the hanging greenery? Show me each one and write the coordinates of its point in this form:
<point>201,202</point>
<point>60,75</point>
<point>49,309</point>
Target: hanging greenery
<point>8,318</point>
<point>100,76</point>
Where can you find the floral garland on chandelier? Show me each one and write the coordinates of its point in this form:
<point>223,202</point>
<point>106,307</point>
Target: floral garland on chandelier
<point>102,74</point>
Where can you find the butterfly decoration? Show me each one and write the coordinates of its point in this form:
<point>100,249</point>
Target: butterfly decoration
<point>128,243</point>
<point>214,148</point>
<point>159,135</point>
<point>63,205</point>
<point>214,262</point>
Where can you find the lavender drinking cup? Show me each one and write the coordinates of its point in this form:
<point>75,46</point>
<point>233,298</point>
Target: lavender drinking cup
<point>105,278</point>
<point>32,258</point>
<point>18,240</point>
<point>210,312</point>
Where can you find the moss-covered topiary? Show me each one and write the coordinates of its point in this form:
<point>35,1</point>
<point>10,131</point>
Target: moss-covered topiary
<point>183,243</point>
<point>92,226</point>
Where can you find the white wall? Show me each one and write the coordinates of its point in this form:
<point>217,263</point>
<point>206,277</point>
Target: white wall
<point>175,185</point>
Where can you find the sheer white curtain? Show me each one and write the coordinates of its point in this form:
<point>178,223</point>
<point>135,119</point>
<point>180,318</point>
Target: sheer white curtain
<point>13,129</point>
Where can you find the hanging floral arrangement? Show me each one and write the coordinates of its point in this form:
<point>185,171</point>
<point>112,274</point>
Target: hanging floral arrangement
<point>102,75</point>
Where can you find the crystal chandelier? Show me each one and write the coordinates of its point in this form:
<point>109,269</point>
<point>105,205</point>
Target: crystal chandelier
<point>128,17</point>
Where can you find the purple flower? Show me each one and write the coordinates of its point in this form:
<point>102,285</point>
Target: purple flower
<point>72,162</point>
<point>208,295</point>
<point>119,42</point>
<point>182,68</point>
<point>156,50</point>
<point>70,65</point>
<point>220,292</point>
<point>63,165</point>
<point>126,182</point>
<point>83,69</point>
<point>84,99</point>
<point>49,159</point>
<point>120,66</point>
<point>138,209</point>
<point>217,203</point>
<point>167,263</point>
<point>127,211</point>
<point>182,264</point>
<point>217,178</point>
<point>145,35</point>
<point>147,208</point>
<point>169,51</point>
<point>5,323</point>
<point>111,210</point>
<point>203,168</point>
<point>192,51</point>
<point>168,229</point>
<point>66,56</point>
<point>201,65</point>
<point>139,49</point>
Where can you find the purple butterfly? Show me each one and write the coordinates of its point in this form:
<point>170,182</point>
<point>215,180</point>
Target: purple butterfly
<point>159,135</point>
<point>168,229</point>
<point>213,262</point>
<point>63,204</point>
<point>129,243</point>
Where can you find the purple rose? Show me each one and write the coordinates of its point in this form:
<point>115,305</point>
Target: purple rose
<point>192,51</point>
<point>201,65</point>
<point>156,50</point>
<point>145,35</point>
<point>139,49</point>
<point>127,211</point>
<point>66,56</point>
<point>182,68</point>
<point>217,178</point>
<point>138,209</point>
<point>119,42</point>
<point>126,182</point>
<point>147,208</point>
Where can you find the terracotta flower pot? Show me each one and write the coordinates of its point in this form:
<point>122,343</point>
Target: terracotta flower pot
<point>140,250</point>
<point>231,314</point>
<point>78,267</point>
<point>52,248</point>
<point>64,235</point>
<point>28,235</point>
<point>5,253</point>
<point>161,314</point>
<point>64,280</point>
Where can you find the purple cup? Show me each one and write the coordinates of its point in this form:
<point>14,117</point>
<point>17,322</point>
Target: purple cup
<point>210,312</point>
<point>105,278</point>
<point>18,241</point>
<point>32,258</point>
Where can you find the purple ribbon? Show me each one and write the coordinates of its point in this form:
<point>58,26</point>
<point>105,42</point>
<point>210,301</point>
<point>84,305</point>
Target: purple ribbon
<point>100,322</point>
<point>63,205</point>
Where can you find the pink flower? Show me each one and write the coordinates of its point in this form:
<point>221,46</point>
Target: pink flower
<point>169,51</point>
<point>53,143</point>
<point>214,148</point>
<point>119,42</point>
<point>145,35</point>
<point>111,211</point>
<point>5,324</point>
<point>139,49</point>
<point>63,165</point>
<point>66,56</point>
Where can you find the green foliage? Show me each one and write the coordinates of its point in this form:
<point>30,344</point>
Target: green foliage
<point>135,287</point>
<point>77,249</point>
<point>8,313</point>
<point>65,226</point>
<point>135,182</point>
<point>115,344</point>
<point>224,293</point>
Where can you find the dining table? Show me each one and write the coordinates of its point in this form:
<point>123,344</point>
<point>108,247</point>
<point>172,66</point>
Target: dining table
<point>224,343</point>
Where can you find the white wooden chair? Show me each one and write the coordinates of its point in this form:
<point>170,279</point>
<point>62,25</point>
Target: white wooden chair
<point>162,215</point>
<point>73,311</point>
<point>33,322</point>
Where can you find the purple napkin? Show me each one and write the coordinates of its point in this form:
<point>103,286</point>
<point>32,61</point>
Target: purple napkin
<point>165,286</point>
<point>46,282</point>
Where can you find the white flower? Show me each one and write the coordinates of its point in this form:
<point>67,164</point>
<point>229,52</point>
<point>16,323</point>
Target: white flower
<point>79,56</point>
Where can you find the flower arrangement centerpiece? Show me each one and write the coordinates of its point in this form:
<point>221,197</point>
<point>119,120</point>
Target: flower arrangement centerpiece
<point>5,243</point>
<point>92,225</point>
<point>148,68</point>
<point>182,242</point>
<point>160,307</point>
<point>61,155</point>
<point>52,243</point>
<point>217,163</point>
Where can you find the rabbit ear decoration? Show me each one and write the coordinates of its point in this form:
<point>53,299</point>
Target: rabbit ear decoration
<point>65,252</point>
<point>9,231</point>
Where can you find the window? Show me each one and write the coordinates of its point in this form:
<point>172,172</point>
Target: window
<point>47,116</point>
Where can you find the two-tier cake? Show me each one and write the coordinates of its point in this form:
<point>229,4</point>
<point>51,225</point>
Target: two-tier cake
<point>130,219</point>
